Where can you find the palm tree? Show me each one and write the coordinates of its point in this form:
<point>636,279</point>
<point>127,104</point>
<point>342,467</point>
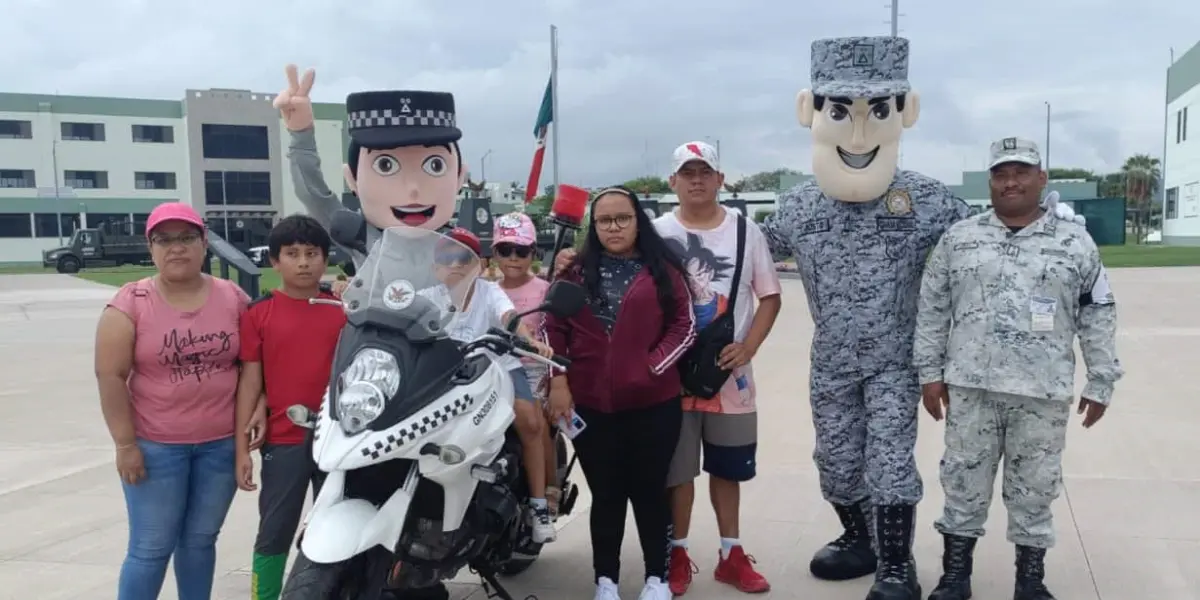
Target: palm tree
<point>1143,175</point>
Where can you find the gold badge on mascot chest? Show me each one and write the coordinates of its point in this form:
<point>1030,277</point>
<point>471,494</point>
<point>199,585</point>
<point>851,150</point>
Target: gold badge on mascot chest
<point>898,202</point>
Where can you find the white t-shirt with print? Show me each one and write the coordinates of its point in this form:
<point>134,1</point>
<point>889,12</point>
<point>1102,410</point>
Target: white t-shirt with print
<point>487,308</point>
<point>708,256</point>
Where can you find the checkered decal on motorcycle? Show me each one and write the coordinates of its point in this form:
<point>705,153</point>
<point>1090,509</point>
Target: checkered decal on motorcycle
<point>419,428</point>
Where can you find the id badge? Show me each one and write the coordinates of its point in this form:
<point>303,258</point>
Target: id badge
<point>1042,311</point>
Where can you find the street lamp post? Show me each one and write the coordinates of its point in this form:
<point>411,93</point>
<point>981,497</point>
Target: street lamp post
<point>1047,137</point>
<point>483,165</point>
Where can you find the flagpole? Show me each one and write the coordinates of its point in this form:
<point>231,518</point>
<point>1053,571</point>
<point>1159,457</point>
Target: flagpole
<point>554,103</point>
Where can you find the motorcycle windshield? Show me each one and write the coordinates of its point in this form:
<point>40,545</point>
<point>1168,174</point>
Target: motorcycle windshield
<point>413,282</point>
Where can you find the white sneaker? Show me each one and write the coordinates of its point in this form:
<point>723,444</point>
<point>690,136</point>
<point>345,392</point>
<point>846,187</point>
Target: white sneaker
<point>543,525</point>
<point>655,589</point>
<point>606,589</point>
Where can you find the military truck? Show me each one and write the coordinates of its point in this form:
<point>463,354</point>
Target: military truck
<point>110,245</point>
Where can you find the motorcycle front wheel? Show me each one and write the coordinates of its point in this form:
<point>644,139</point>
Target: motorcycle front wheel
<point>315,581</point>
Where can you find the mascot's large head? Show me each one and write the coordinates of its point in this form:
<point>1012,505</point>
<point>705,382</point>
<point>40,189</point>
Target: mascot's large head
<point>404,163</point>
<point>859,105</point>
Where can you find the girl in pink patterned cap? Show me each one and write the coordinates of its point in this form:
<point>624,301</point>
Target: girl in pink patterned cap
<point>514,244</point>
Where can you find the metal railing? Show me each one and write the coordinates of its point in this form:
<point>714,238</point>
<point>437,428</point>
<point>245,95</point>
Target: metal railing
<point>229,257</point>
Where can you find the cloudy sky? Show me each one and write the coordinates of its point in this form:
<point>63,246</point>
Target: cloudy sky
<point>639,77</point>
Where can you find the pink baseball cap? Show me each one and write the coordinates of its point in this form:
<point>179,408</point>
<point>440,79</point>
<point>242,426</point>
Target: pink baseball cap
<point>691,151</point>
<point>173,211</point>
<point>514,228</point>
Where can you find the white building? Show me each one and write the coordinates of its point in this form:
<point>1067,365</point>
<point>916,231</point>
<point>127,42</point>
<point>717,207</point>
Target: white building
<point>95,160</point>
<point>1181,171</point>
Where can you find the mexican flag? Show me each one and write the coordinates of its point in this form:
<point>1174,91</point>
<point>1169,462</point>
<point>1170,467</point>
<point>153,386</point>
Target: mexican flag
<point>540,129</point>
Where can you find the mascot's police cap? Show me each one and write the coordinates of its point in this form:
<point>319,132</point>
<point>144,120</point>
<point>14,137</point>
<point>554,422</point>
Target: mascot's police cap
<point>393,119</point>
<point>860,67</point>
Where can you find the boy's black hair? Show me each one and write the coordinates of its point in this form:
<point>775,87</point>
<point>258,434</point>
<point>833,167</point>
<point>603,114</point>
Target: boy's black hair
<point>355,149</point>
<point>298,229</point>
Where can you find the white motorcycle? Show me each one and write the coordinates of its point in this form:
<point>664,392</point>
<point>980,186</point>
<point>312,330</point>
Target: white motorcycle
<point>424,473</point>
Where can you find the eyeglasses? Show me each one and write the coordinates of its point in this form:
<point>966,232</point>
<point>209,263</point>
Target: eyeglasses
<point>454,257</point>
<point>507,250</point>
<point>167,241</point>
<point>618,222</point>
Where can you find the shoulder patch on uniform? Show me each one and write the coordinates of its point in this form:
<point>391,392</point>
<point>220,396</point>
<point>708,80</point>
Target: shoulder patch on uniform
<point>259,300</point>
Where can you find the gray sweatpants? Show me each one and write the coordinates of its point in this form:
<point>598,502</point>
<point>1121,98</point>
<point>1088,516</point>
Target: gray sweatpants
<point>1029,434</point>
<point>288,471</point>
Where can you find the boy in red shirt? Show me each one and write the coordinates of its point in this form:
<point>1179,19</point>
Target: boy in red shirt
<point>287,352</point>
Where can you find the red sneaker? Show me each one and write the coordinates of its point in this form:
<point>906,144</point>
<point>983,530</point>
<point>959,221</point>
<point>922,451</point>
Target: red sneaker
<point>679,578</point>
<point>738,571</point>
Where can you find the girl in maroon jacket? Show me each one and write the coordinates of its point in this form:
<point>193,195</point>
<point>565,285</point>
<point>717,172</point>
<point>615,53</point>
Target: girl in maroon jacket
<point>623,382</point>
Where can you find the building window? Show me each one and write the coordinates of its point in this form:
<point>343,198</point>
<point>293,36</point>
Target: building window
<point>15,225</point>
<point>139,223</point>
<point>1185,123</point>
<point>1172,205</point>
<point>153,134</point>
<point>83,132</point>
<point>17,178</point>
<point>86,180</point>
<point>248,142</point>
<point>242,188</point>
<point>153,181</point>
<point>44,224</point>
<point>16,130</point>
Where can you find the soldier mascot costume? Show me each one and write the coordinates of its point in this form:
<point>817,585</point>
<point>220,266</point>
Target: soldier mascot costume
<point>403,163</point>
<point>860,232</point>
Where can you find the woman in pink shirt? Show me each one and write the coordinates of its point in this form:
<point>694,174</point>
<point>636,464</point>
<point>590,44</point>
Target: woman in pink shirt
<point>166,363</point>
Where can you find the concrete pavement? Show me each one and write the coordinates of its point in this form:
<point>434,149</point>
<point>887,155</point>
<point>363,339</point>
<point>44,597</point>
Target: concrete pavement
<point>1129,522</point>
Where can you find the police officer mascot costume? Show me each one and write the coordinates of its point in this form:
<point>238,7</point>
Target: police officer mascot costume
<point>860,232</point>
<point>403,163</point>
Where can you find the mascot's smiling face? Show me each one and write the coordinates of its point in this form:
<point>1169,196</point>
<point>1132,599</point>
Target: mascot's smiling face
<point>856,141</point>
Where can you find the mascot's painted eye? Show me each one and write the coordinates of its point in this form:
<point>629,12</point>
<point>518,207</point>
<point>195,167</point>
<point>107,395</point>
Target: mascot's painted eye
<point>435,165</point>
<point>838,112</point>
<point>385,165</point>
<point>881,111</point>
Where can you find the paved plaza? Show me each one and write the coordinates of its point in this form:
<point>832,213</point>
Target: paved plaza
<point>1128,522</point>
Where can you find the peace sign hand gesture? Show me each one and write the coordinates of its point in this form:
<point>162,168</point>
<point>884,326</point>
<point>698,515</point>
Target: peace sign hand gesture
<point>293,102</point>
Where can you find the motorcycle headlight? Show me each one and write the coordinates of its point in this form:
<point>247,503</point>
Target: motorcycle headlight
<point>365,387</point>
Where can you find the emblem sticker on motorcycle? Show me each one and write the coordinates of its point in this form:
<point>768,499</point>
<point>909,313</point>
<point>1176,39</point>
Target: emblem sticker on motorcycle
<point>399,295</point>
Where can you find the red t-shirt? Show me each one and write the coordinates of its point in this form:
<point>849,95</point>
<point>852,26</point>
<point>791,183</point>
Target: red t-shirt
<point>295,342</point>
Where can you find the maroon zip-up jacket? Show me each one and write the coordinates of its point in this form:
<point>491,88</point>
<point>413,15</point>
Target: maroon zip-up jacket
<point>634,367</point>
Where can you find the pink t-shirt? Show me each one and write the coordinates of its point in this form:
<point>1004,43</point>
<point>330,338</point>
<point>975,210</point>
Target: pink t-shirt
<point>185,364</point>
<point>528,297</point>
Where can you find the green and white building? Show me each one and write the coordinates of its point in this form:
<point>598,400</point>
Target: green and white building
<point>92,160</point>
<point>1181,161</point>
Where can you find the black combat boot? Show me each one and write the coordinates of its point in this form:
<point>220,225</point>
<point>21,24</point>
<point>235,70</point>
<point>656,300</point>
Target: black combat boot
<point>849,556</point>
<point>896,577</point>
<point>1031,569</point>
<point>957,561</point>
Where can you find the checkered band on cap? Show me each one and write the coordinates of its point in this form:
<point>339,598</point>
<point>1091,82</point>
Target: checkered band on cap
<point>365,119</point>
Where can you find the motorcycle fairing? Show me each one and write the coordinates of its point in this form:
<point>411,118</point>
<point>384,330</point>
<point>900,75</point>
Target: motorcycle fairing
<point>339,528</point>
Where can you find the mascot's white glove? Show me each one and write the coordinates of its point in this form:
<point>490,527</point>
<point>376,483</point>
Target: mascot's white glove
<point>1060,210</point>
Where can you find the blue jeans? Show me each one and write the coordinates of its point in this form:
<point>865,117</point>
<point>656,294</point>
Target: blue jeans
<point>177,509</point>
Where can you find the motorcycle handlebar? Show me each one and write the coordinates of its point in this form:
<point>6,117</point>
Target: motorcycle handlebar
<point>522,345</point>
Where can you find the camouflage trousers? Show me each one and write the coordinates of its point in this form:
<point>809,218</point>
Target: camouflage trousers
<point>1029,434</point>
<point>866,431</point>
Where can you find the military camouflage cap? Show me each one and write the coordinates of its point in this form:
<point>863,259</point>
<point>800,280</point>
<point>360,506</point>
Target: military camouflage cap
<point>1014,149</point>
<point>860,67</point>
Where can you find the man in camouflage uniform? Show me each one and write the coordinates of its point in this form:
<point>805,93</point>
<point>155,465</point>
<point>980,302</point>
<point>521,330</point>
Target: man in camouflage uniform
<point>1004,295</point>
<point>860,234</point>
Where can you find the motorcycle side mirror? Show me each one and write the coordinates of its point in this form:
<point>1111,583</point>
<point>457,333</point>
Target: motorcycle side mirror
<point>299,415</point>
<point>564,299</point>
<point>349,229</point>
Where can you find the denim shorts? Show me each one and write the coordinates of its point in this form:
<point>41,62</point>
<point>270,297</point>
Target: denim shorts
<point>521,387</point>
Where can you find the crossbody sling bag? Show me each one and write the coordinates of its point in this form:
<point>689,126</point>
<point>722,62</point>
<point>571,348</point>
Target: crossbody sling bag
<point>700,370</point>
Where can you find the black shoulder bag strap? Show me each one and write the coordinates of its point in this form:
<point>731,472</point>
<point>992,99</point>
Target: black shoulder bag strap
<point>737,268</point>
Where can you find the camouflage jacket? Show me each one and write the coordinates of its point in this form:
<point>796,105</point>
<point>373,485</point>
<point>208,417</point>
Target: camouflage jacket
<point>1000,310</point>
<point>861,266</point>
